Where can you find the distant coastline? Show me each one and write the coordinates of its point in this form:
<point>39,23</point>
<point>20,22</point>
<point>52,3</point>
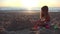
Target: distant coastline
<point>51,9</point>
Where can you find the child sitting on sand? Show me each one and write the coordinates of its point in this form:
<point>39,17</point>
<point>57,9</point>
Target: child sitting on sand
<point>44,18</point>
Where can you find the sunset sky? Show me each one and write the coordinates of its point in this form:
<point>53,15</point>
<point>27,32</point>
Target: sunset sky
<point>29,3</point>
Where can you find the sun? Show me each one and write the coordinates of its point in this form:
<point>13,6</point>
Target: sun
<point>29,3</point>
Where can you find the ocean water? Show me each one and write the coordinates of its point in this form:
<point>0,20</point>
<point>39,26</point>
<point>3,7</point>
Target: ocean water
<point>51,9</point>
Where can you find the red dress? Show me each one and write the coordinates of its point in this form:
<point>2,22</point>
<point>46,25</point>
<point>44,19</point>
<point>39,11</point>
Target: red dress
<point>41,23</point>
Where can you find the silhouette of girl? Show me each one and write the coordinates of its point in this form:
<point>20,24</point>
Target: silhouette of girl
<point>44,18</point>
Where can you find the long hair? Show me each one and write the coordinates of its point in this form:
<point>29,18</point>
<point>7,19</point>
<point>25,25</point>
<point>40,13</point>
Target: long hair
<point>44,12</point>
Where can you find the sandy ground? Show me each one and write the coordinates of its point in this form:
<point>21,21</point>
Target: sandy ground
<point>27,31</point>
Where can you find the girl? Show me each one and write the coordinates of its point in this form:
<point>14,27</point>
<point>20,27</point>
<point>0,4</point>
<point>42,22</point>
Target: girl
<point>44,18</point>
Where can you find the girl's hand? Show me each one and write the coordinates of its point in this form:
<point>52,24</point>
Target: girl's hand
<point>42,19</point>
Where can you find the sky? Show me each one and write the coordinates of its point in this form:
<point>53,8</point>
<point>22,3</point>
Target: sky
<point>29,3</point>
